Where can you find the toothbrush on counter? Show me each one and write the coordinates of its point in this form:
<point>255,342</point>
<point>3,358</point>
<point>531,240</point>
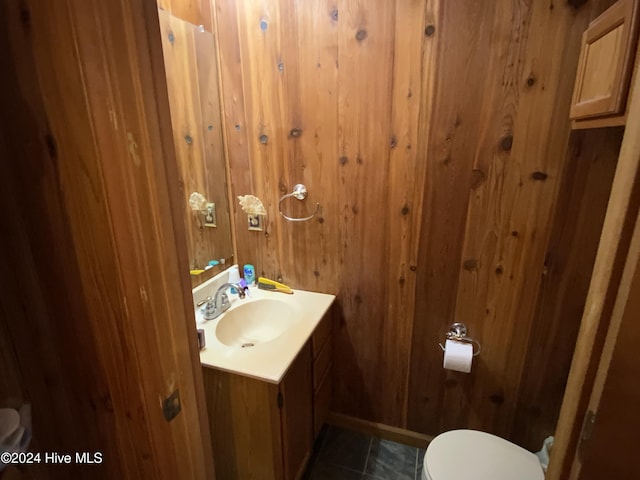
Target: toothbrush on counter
<point>266,284</point>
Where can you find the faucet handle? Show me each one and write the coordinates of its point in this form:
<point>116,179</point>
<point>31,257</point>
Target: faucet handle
<point>224,300</point>
<point>209,309</point>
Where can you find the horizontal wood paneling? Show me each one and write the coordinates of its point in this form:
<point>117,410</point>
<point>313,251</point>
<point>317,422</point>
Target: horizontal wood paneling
<point>192,79</point>
<point>435,136</point>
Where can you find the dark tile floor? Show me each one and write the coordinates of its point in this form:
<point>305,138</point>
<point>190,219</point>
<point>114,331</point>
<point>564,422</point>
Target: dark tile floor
<point>346,455</point>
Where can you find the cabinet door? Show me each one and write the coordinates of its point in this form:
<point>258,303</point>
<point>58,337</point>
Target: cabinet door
<point>244,420</point>
<point>606,62</point>
<point>297,414</point>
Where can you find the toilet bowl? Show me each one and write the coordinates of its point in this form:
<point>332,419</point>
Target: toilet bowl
<point>461,454</point>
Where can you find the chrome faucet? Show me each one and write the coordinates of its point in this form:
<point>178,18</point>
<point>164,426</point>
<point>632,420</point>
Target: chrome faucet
<point>220,303</point>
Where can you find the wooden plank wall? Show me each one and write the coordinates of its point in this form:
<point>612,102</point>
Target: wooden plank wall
<point>196,12</point>
<point>192,80</point>
<point>435,136</point>
<point>98,317</point>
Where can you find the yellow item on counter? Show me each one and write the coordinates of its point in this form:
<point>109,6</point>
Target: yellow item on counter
<point>266,284</point>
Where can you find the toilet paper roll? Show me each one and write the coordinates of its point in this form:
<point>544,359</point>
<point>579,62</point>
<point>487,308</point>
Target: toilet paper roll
<point>458,356</point>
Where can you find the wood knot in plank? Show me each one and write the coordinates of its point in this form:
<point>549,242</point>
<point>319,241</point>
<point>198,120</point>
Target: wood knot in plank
<point>188,139</point>
<point>470,264</point>
<point>171,38</point>
<point>405,209</point>
<point>402,281</point>
<point>413,268</point>
<point>316,273</point>
<point>52,147</point>
<point>575,3</point>
<point>359,160</point>
<point>393,142</point>
<point>499,270</point>
<point>361,34</point>
<point>430,30</point>
<point>478,177</point>
<point>539,176</point>
<point>343,160</point>
<point>334,14</point>
<point>320,220</point>
<point>531,80</point>
<point>295,132</point>
<point>515,233</point>
<point>281,67</point>
<point>355,209</point>
<point>264,25</point>
<point>263,139</point>
<point>506,143</point>
<point>25,16</point>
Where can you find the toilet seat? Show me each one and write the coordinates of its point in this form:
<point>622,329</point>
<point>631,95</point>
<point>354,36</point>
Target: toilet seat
<point>460,454</point>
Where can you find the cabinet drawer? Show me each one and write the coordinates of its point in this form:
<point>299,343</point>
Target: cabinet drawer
<point>321,364</point>
<point>321,333</point>
<point>321,403</point>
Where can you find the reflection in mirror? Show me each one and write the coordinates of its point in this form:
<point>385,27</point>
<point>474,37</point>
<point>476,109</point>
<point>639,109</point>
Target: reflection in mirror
<point>192,83</point>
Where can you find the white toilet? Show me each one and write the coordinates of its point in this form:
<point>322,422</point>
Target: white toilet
<point>466,454</point>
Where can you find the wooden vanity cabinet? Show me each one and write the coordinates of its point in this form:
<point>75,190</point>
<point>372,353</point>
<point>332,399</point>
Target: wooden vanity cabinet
<point>322,355</point>
<point>605,67</point>
<point>265,431</point>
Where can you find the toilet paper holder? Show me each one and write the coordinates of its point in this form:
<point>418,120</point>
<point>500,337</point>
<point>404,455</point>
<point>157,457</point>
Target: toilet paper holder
<point>458,331</point>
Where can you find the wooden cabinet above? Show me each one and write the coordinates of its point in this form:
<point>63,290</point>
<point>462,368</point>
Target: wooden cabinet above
<point>605,67</point>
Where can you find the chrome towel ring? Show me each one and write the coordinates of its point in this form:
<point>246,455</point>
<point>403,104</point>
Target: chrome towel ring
<point>299,192</point>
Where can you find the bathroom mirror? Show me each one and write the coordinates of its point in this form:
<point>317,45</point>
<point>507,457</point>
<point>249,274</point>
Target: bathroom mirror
<point>192,82</point>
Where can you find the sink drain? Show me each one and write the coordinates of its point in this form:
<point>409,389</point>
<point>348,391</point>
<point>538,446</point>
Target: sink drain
<point>247,345</point>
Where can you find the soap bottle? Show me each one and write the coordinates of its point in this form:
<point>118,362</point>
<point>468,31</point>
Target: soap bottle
<point>249,274</point>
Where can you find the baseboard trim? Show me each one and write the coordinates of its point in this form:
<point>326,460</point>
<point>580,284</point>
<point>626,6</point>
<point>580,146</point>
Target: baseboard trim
<point>381,430</point>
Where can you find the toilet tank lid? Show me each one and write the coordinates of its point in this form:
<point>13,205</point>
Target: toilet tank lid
<point>479,455</point>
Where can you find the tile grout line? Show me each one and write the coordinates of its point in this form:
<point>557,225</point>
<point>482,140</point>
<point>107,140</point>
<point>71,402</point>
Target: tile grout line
<point>415,470</point>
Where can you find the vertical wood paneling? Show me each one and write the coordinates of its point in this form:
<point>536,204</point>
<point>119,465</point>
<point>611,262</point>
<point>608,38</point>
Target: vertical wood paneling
<point>100,315</point>
<point>413,82</point>
<point>464,30</point>
<point>192,82</point>
<point>435,135</point>
<point>197,12</point>
<point>261,47</point>
<point>508,219</point>
<point>365,54</point>
<point>565,281</point>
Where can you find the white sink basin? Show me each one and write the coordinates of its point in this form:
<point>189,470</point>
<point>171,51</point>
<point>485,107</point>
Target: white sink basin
<point>277,324</point>
<point>255,322</point>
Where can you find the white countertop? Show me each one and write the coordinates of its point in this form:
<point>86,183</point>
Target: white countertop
<point>267,361</point>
